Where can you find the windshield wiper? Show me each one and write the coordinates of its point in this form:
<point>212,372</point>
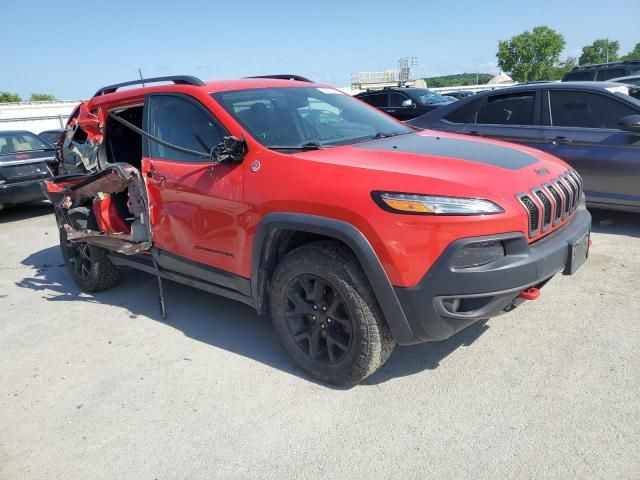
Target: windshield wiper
<point>302,147</point>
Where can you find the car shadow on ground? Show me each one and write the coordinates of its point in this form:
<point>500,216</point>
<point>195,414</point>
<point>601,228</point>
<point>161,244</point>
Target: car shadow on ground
<point>615,223</point>
<point>16,213</point>
<point>215,320</point>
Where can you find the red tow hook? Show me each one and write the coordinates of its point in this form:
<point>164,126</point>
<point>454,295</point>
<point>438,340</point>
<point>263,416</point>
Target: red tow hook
<point>530,293</point>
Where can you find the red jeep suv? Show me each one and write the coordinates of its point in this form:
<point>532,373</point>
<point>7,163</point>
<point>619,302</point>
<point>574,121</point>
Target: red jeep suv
<point>354,231</point>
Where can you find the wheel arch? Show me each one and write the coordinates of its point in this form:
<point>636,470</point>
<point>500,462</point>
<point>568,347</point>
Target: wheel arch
<point>278,233</point>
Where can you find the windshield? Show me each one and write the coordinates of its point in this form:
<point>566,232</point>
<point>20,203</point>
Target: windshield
<point>306,117</point>
<point>427,97</point>
<point>15,142</point>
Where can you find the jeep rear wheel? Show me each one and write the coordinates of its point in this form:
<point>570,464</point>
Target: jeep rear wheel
<point>88,265</point>
<point>326,315</point>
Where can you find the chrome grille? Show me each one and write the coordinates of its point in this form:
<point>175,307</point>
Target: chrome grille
<point>576,187</point>
<point>566,196</point>
<point>534,213</point>
<point>547,209</point>
<point>553,202</point>
<point>575,190</point>
<point>557,202</point>
<point>577,178</point>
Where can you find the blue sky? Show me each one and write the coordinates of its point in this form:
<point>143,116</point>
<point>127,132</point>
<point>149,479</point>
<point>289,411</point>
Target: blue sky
<point>69,49</point>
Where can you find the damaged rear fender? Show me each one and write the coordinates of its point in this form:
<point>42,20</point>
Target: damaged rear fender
<point>118,199</point>
<point>82,139</point>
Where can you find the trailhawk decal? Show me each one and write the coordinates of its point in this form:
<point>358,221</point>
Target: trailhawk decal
<point>456,149</point>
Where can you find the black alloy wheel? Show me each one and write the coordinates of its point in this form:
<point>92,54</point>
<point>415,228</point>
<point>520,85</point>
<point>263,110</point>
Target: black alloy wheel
<point>79,255</point>
<point>318,319</point>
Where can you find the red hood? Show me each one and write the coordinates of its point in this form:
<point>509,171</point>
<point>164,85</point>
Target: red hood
<point>453,164</point>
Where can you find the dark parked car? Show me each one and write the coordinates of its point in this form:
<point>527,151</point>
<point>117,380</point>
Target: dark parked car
<point>404,103</point>
<point>460,94</point>
<point>25,160</point>
<point>593,126</point>
<point>631,80</point>
<point>602,71</point>
<point>52,136</point>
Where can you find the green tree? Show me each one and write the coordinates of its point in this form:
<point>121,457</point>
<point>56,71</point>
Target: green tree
<point>41,97</point>
<point>633,54</point>
<point>531,55</point>
<point>8,97</point>
<point>459,79</point>
<point>600,51</point>
<point>557,71</point>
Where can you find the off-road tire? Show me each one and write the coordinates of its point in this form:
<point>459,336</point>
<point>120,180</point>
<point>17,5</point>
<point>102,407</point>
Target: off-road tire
<point>371,342</point>
<point>95,272</point>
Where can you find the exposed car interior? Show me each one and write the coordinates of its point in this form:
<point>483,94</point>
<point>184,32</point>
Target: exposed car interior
<point>123,144</point>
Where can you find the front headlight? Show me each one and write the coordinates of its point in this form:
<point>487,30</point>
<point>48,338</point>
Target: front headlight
<point>413,204</point>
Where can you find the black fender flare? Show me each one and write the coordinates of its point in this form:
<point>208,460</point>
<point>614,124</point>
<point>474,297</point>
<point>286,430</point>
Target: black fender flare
<point>354,239</point>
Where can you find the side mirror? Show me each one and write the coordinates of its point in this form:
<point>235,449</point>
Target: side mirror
<point>230,149</point>
<point>630,123</point>
<point>408,103</point>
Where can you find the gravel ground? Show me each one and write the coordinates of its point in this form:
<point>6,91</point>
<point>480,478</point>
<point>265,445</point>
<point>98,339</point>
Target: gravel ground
<point>98,386</point>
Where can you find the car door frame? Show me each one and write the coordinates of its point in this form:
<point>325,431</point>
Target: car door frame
<point>396,111</point>
<point>377,92</point>
<point>221,275</point>
<point>535,136</point>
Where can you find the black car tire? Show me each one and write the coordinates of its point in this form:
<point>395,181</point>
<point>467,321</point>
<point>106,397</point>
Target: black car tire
<point>88,265</point>
<point>313,283</point>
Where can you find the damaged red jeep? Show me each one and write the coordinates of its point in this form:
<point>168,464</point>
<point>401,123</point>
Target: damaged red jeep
<point>354,231</point>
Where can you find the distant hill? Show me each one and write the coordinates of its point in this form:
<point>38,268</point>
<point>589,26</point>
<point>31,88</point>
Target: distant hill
<point>458,80</point>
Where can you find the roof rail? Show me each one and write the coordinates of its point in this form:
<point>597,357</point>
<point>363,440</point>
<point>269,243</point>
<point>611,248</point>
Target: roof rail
<point>177,79</point>
<point>285,76</point>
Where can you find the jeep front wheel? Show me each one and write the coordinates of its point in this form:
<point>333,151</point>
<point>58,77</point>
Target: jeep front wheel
<point>326,315</point>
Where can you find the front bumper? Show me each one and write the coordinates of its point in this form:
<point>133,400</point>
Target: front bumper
<point>447,300</point>
<point>21,192</point>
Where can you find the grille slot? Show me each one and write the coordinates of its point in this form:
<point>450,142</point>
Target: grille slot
<point>546,209</point>
<point>577,177</point>
<point>534,214</point>
<point>566,196</point>
<point>557,213</point>
<point>574,191</point>
<point>578,181</point>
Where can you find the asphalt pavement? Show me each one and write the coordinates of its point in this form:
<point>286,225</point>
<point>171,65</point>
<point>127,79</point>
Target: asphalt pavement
<point>100,387</point>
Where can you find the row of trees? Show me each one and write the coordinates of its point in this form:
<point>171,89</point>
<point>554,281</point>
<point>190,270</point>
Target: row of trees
<point>458,79</point>
<point>8,97</point>
<point>535,55</point>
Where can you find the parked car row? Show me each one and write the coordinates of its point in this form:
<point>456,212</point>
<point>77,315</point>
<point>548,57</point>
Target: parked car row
<point>404,103</point>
